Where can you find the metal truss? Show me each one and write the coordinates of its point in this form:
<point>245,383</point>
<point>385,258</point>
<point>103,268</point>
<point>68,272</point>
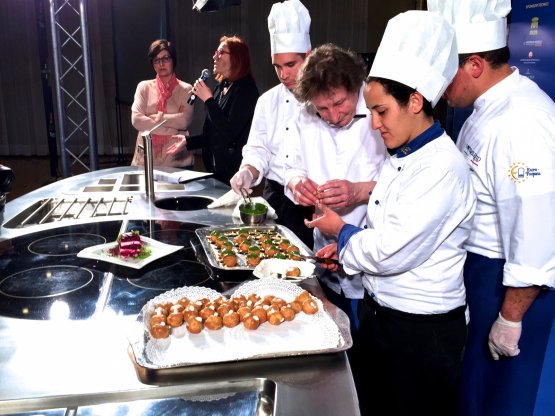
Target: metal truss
<point>73,85</point>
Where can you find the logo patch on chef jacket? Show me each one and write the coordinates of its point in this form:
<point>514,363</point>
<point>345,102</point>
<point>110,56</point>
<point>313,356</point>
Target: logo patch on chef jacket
<point>520,172</point>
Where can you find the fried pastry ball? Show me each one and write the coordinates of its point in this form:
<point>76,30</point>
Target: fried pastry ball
<point>223,309</point>
<point>261,313</point>
<point>205,312</point>
<point>195,325</point>
<point>184,302</point>
<point>304,295</point>
<point>275,317</point>
<point>251,321</point>
<point>293,272</point>
<point>175,319</point>
<point>157,318</point>
<point>277,303</point>
<point>161,330</point>
<point>296,306</point>
<point>253,297</point>
<point>287,312</point>
<point>177,308</point>
<point>241,300</point>
<point>166,305</point>
<point>268,298</point>
<point>159,310</point>
<point>214,322</point>
<point>190,312</point>
<point>243,311</point>
<point>310,307</point>
<point>231,319</point>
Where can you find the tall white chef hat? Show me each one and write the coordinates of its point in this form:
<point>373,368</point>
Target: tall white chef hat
<point>418,49</point>
<point>289,26</point>
<point>481,25</point>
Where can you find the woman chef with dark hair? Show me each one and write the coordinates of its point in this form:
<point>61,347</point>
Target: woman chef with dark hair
<point>412,321</point>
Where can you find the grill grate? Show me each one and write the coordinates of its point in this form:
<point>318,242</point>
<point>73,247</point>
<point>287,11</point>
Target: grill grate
<point>53,209</point>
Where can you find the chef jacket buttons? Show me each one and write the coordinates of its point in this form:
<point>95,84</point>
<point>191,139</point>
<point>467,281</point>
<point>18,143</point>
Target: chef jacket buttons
<point>399,168</point>
<point>366,226</point>
<point>286,128</point>
<point>377,202</point>
<point>286,101</point>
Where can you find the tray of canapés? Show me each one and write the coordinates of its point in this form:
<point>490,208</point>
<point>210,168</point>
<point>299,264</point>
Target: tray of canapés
<point>244,247</point>
<point>262,318</point>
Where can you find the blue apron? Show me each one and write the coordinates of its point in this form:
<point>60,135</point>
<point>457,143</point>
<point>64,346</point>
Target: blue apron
<point>510,386</point>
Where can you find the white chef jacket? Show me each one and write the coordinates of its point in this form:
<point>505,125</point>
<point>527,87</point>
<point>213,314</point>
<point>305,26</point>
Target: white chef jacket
<point>419,215</point>
<point>509,143</point>
<point>272,126</point>
<point>324,152</point>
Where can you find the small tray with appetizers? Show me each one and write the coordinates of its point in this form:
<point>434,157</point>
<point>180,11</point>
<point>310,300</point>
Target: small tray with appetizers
<point>244,247</point>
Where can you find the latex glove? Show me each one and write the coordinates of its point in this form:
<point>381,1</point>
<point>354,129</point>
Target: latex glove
<point>242,179</point>
<point>503,338</point>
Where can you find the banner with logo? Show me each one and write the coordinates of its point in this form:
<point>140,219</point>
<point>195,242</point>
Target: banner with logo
<point>532,41</point>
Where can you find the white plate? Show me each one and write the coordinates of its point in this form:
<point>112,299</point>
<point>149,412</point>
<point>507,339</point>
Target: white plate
<point>102,252</point>
<point>274,268</point>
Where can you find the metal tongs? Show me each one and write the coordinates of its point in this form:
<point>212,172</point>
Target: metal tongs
<point>247,198</point>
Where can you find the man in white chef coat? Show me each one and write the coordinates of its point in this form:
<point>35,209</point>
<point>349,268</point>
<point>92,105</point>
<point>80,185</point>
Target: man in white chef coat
<point>337,154</point>
<point>273,124</point>
<point>509,144</point>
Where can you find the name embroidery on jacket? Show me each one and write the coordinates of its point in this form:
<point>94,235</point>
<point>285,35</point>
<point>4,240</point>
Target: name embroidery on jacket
<point>470,154</point>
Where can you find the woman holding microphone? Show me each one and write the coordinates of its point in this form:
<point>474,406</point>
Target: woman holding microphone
<point>229,110</point>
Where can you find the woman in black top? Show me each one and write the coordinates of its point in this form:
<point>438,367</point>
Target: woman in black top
<point>229,110</point>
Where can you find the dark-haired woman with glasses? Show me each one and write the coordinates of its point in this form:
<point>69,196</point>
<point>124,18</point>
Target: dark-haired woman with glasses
<point>229,110</point>
<point>159,99</point>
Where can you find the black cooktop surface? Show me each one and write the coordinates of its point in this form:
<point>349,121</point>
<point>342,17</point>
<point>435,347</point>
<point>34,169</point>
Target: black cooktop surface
<point>42,278</point>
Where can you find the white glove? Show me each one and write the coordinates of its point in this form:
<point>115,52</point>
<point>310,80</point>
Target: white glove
<point>503,338</point>
<point>242,179</point>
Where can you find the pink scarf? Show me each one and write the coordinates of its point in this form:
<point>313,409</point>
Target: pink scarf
<point>164,93</point>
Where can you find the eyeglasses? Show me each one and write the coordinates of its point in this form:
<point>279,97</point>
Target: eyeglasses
<point>219,52</point>
<point>162,60</point>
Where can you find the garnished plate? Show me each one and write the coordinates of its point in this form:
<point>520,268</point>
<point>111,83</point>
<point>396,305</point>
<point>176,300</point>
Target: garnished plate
<point>104,252</point>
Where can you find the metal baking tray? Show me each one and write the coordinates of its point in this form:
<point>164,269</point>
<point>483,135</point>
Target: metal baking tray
<point>153,372</point>
<point>212,251</point>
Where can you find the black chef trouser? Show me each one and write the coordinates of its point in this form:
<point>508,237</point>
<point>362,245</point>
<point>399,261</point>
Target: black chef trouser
<point>289,214</point>
<point>407,364</point>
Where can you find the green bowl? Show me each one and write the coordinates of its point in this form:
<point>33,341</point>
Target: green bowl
<point>254,213</point>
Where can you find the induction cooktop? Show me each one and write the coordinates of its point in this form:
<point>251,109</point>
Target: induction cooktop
<point>42,278</point>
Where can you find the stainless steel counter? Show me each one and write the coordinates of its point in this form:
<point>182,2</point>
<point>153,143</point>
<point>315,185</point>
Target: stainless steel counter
<point>70,364</point>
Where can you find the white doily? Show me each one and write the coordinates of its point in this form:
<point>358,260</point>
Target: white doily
<point>305,334</point>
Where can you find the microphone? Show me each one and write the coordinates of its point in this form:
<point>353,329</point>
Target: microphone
<point>205,74</point>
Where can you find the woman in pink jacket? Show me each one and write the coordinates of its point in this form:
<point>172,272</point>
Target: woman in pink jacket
<point>162,98</point>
